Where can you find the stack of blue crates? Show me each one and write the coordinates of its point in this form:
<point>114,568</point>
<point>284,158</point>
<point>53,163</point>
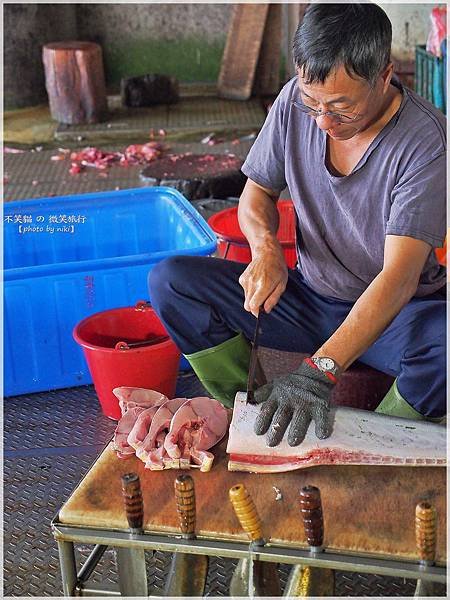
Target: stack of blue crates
<point>430,76</point>
<point>66,258</point>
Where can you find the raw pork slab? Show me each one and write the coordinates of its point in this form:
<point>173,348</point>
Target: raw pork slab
<point>359,437</point>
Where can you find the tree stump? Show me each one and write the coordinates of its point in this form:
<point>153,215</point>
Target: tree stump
<point>197,175</point>
<point>75,82</point>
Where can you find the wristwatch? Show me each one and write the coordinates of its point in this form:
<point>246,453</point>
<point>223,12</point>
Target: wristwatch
<point>327,365</point>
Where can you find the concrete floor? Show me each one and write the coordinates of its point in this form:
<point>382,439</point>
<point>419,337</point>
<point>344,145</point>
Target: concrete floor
<point>199,110</point>
<point>33,173</point>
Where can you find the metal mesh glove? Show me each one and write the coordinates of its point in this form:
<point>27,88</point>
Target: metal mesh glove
<point>296,399</point>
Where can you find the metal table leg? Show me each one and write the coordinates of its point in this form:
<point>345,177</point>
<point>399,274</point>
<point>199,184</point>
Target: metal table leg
<point>68,567</point>
<point>132,572</point>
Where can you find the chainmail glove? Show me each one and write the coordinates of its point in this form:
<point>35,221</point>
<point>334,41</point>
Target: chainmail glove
<point>296,399</point>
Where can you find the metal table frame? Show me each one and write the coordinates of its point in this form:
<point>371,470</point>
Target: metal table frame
<point>131,559</point>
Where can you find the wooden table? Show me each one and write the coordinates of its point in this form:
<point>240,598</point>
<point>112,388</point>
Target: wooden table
<point>368,516</point>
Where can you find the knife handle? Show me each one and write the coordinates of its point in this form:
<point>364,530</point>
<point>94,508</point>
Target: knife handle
<point>426,531</point>
<point>132,495</point>
<point>185,500</point>
<point>311,512</point>
<point>246,512</point>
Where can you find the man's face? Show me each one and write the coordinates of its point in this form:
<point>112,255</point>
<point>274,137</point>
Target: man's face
<point>353,98</point>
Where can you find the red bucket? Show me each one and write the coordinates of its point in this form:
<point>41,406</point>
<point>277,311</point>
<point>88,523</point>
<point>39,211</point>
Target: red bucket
<point>234,246</point>
<point>127,347</point>
<point>441,254</point>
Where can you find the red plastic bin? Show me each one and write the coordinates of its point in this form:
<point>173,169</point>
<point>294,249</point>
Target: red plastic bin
<point>153,366</point>
<point>232,243</point>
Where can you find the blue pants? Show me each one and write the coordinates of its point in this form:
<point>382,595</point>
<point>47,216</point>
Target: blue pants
<point>200,301</point>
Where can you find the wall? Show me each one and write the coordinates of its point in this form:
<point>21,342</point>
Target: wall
<point>410,25</point>
<point>184,40</point>
<point>26,28</point>
<point>187,40</point>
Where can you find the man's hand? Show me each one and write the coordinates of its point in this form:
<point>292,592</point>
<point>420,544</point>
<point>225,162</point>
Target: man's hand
<point>265,279</point>
<point>296,399</point>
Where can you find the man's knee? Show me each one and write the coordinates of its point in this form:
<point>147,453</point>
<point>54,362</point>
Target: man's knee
<point>178,275</point>
<point>438,365</point>
<point>163,275</point>
<point>426,378</point>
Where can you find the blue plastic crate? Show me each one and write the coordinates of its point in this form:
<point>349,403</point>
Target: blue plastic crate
<point>97,256</point>
<point>430,77</point>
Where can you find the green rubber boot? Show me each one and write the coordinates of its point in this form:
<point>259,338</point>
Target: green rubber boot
<point>223,369</point>
<point>395,405</point>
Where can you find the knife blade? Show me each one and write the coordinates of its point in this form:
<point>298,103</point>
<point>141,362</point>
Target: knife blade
<point>252,368</point>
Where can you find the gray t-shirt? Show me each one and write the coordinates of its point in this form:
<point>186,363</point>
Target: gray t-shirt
<point>398,187</point>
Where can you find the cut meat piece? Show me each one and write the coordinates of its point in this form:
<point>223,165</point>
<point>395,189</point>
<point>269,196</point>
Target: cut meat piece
<point>151,450</point>
<point>359,437</point>
<point>124,426</point>
<point>133,402</point>
<point>130,397</point>
<point>207,421</point>
<point>202,458</point>
<point>197,425</point>
<point>141,426</point>
<point>136,154</point>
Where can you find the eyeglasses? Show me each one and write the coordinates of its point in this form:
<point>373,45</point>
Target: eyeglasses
<point>339,117</point>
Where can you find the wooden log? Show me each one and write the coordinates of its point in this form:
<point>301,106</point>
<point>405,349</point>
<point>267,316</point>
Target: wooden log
<point>75,82</point>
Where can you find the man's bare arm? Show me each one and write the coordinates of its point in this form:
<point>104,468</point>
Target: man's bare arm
<point>389,292</point>
<point>264,280</point>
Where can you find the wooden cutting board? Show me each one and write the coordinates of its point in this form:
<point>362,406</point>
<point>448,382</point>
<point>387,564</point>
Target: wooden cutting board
<point>366,509</point>
<point>267,73</point>
<point>241,53</point>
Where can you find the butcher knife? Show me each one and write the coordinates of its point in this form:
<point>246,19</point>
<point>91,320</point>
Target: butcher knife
<point>131,561</point>
<point>256,376</point>
<point>251,577</point>
<point>187,575</point>
<point>305,581</point>
<point>425,522</point>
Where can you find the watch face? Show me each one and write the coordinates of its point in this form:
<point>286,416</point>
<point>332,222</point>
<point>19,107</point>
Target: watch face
<point>327,364</point>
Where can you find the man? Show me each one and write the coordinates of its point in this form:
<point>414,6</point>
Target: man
<point>364,160</point>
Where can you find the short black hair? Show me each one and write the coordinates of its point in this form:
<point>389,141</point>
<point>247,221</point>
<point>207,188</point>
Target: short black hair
<point>357,36</point>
